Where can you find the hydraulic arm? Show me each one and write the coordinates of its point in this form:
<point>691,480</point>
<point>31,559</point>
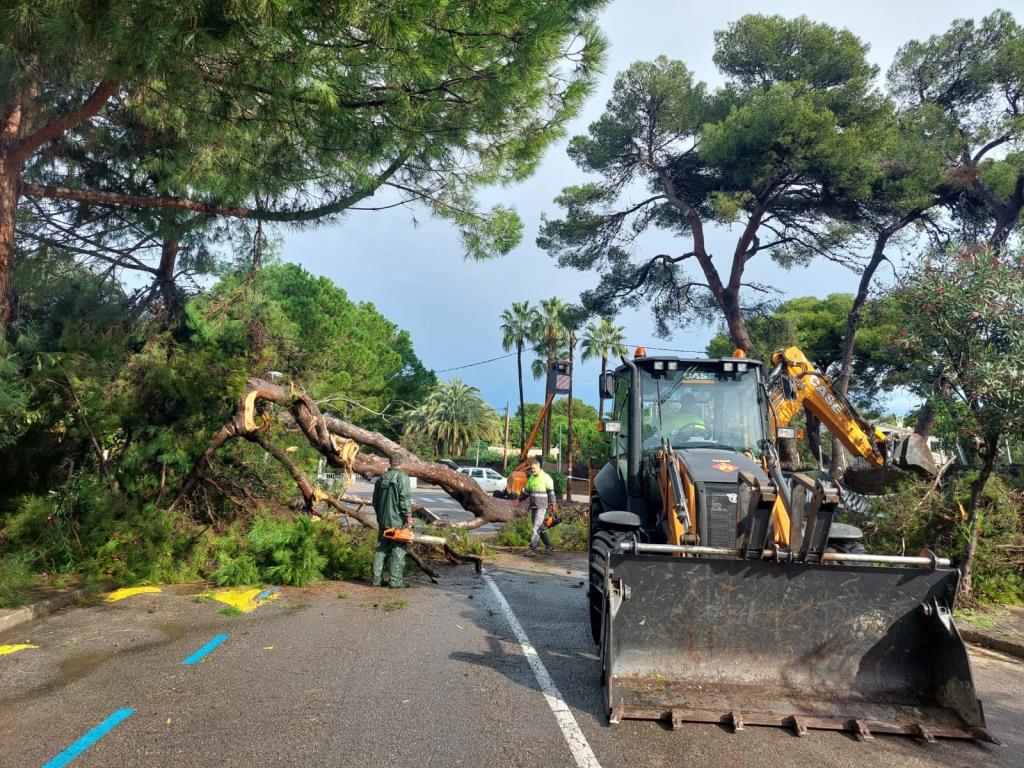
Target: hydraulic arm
<point>807,387</point>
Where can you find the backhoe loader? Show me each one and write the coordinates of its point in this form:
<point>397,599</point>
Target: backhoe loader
<point>716,593</point>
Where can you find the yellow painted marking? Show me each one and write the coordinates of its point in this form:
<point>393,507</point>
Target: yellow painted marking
<point>121,594</point>
<point>243,598</point>
<point>6,649</point>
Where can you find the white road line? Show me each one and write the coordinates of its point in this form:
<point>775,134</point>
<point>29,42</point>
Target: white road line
<point>578,744</point>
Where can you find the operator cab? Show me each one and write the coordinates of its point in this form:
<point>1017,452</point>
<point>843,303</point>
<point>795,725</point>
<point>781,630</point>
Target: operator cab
<point>694,404</point>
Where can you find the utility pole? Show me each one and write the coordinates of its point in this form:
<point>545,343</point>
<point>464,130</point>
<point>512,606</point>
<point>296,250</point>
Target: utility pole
<point>504,454</point>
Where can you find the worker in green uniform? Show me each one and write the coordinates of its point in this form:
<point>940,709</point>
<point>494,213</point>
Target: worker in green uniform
<point>540,490</point>
<point>392,501</point>
<point>686,418</point>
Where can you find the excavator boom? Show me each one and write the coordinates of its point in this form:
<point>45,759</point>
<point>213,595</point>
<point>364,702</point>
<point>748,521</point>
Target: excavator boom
<point>809,388</point>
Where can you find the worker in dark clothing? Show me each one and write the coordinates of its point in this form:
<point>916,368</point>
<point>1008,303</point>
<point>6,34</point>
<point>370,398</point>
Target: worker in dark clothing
<point>540,490</point>
<point>392,501</point>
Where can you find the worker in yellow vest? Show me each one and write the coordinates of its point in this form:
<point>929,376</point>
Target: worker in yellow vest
<point>540,490</point>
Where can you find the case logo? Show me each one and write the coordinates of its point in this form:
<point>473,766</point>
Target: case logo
<point>723,465</point>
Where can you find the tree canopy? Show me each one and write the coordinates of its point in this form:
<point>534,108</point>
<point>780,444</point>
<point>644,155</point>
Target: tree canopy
<point>780,154</point>
<point>964,324</point>
<point>287,112</point>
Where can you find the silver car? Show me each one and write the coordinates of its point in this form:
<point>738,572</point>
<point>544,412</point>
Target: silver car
<point>489,480</point>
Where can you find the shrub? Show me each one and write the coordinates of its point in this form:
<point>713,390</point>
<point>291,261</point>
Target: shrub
<point>912,519</point>
<point>16,579</point>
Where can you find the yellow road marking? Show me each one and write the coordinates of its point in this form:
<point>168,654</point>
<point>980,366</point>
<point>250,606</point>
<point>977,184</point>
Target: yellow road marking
<point>6,649</point>
<point>244,599</point>
<point>124,592</point>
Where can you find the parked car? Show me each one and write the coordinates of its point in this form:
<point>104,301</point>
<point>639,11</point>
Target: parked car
<point>449,463</point>
<point>489,480</point>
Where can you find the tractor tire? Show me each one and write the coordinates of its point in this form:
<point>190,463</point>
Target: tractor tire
<point>601,546</point>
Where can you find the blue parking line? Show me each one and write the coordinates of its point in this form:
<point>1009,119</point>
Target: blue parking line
<point>198,655</point>
<point>89,739</point>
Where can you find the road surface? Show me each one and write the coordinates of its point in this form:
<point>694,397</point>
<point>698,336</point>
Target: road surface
<point>492,670</point>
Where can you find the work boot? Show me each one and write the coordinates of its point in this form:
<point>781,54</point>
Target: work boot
<point>400,585</point>
<point>549,549</point>
<point>530,552</point>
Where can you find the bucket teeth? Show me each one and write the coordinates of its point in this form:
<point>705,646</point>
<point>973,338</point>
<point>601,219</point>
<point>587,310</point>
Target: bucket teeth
<point>924,733</point>
<point>797,724</point>
<point>737,721</point>
<point>861,730</point>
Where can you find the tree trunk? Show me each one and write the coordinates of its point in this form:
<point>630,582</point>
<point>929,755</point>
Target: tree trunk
<point>925,419</point>
<point>547,378</point>
<point>9,180</point>
<point>164,280</point>
<point>728,302</point>
<point>813,434</point>
<point>522,402</point>
<point>570,455</point>
<point>988,460</point>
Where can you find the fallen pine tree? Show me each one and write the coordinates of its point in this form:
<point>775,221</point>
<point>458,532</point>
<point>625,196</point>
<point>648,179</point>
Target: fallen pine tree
<point>340,443</point>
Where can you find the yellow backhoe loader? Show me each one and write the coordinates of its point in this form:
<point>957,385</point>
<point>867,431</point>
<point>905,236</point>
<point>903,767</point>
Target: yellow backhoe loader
<point>717,593</point>
<point>797,383</point>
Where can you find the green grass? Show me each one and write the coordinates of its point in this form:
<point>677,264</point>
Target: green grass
<point>230,610</point>
<point>569,535</point>
<point>16,580</point>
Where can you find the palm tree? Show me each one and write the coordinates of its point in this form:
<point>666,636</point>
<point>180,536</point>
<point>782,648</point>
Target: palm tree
<point>454,416</point>
<point>551,336</point>
<point>518,325</point>
<point>602,339</point>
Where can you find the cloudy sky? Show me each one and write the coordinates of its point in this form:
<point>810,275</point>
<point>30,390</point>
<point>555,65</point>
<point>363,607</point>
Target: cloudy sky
<point>451,307</point>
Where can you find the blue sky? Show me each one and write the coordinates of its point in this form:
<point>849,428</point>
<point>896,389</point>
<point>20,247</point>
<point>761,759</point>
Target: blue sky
<point>451,306</point>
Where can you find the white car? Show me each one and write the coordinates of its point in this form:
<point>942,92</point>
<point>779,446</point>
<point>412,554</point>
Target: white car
<point>489,480</point>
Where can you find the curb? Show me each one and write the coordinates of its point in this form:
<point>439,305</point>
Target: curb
<point>15,617</point>
<point>1011,647</point>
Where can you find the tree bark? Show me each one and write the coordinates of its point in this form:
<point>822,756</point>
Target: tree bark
<point>925,419</point>
<point>988,459</point>
<point>9,178</point>
<point>164,280</point>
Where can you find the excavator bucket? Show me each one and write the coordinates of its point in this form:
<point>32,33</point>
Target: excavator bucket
<point>861,648</point>
<point>912,453</point>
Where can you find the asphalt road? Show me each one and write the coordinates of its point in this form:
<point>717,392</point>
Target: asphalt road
<point>341,674</point>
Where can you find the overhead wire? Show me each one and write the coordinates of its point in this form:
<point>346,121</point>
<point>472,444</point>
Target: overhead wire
<point>541,346</point>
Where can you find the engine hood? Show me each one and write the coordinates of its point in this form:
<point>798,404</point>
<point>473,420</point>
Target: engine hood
<point>715,465</point>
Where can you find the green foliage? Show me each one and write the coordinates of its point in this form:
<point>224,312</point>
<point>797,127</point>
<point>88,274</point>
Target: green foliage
<point>110,417</point>
<point>16,578</point>
<point>912,519</point>
<point>960,91</point>
<point>788,149</point>
<point>571,534</point>
<point>434,100</point>
<point>964,324</point>
<point>817,326</point>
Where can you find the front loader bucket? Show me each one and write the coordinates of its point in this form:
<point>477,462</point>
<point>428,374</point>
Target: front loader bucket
<point>847,647</point>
